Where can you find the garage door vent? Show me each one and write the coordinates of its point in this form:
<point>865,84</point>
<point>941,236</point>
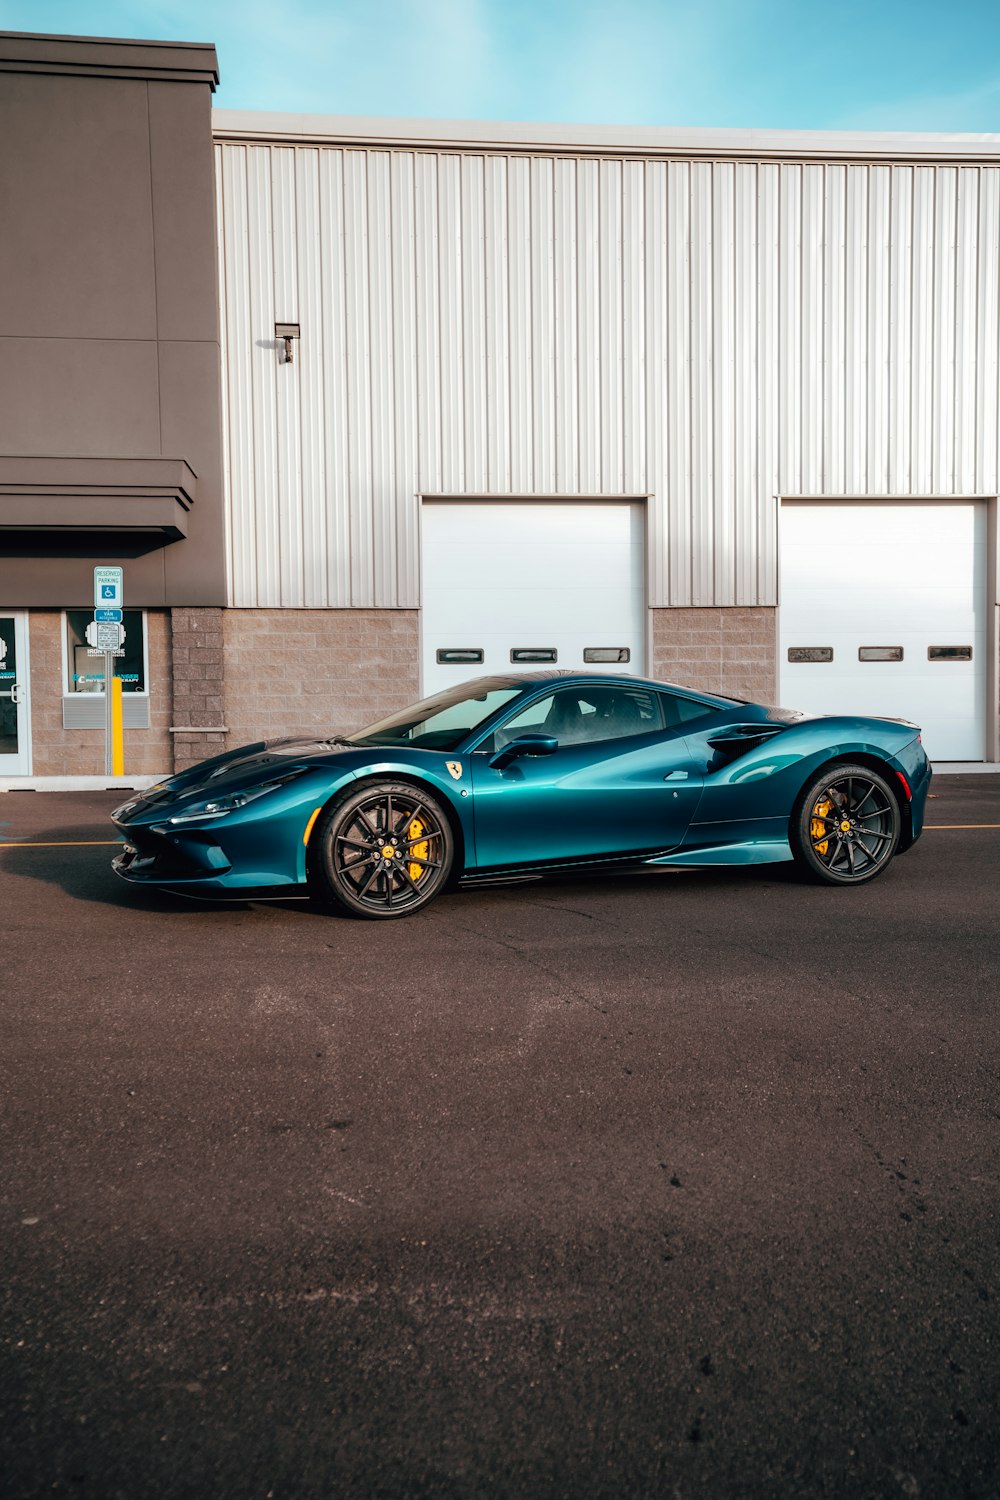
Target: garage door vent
<point>461,654</point>
<point>594,654</point>
<point>949,653</point>
<point>810,653</point>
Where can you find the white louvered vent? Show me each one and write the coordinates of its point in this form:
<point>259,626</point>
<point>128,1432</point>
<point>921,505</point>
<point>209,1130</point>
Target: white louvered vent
<point>86,711</point>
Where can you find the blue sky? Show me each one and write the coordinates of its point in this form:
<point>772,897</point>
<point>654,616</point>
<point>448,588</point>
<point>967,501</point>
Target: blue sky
<point>852,65</point>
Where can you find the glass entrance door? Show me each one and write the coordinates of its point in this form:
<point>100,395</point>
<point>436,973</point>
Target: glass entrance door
<point>15,752</point>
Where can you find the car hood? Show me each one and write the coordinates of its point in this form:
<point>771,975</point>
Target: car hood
<point>242,767</point>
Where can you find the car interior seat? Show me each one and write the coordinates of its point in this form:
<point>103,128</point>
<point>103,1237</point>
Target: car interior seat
<point>618,715</point>
<point>564,719</point>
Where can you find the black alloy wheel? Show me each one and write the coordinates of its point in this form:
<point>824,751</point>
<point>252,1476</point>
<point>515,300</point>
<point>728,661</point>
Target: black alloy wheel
<point>846,827</point>
<point>385,851</point>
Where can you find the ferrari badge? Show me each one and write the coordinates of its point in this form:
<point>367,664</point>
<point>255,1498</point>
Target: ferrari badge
<point>455,767</point>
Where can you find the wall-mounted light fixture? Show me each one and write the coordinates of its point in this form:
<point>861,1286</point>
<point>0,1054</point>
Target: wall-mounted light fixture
<point>285,332</point>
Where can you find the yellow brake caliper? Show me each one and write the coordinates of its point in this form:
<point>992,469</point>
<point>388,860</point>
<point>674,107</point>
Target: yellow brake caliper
<point>817,828</point>
<point>417,851</point>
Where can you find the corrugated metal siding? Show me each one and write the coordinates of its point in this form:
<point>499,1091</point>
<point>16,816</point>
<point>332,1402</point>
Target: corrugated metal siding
<point>712,334</point>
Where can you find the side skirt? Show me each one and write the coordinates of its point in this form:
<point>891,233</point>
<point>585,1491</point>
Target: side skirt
<point>496,874</point>
<point>753,852</point>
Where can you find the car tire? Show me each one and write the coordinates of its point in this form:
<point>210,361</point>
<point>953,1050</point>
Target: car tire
<point>384,851</point>
<point>846,825</point>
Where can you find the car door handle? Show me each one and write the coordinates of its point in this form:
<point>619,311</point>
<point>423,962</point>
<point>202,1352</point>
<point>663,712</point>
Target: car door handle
<point>677,776</point>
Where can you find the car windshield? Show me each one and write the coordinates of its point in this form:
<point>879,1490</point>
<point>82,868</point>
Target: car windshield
<point>441,722</point>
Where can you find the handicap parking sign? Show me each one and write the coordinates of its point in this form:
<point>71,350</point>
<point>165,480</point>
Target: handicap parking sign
<point>108,589</point>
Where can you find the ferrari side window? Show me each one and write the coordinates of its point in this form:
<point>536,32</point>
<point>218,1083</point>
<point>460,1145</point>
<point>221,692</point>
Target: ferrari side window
<point>441,722</point>
<point>585,715</point>
<point>531,720</point>
<point>678,710</point>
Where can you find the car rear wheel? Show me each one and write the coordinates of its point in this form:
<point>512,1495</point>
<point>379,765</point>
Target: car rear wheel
<point>847,825</point>
<point>385,851</point>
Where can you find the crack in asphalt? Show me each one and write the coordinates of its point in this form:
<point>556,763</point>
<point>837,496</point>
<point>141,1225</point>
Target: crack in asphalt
<point>909,1186</point>
<point>534,964</point>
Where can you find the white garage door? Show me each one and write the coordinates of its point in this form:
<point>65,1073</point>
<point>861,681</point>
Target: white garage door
<point>523,585</point>
<point>883,611</point>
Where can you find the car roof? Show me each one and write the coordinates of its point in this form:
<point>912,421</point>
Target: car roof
<point>565,676</point>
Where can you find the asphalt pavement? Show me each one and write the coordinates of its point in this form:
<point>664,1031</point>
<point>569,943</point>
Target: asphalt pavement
<point>677,1185</point>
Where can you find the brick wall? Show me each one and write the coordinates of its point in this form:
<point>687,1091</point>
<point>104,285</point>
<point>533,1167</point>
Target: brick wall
<point>80,752</point>
<point>731,651</point>
<point>306,670</point>
<point>198,724</point>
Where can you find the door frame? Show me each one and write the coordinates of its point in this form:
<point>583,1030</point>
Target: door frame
<point>21,644</point>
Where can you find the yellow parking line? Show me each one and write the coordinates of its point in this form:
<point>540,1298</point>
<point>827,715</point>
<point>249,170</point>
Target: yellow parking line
<point>86,844</point>
<point>962,825</point>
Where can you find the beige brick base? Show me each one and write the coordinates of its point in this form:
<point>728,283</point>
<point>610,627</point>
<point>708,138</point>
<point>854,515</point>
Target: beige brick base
<point>197,731</point>
<point>731,651</point>
<point>80,752</point>
<point>305,671</point>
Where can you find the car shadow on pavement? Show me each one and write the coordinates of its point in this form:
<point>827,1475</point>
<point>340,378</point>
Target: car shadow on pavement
<point>638,878</point>
<point>78,861</point>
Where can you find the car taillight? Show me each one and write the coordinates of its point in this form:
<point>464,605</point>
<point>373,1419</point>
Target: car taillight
<point>906,786</point>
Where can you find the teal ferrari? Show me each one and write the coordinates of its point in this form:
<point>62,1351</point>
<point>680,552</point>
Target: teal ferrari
<point>516,775</point>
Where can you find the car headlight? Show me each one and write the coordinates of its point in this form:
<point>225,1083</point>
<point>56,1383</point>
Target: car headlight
<point>228,802</point>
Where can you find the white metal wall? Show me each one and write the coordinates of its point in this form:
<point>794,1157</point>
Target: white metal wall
<point>712,333</point>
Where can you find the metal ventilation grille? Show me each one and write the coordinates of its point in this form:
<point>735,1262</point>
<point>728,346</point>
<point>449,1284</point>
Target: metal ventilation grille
<point>86,711</point>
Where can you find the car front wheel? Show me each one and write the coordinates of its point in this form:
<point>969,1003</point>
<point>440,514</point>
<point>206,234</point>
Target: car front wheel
<point>847,825</point>
<point>385,851</point>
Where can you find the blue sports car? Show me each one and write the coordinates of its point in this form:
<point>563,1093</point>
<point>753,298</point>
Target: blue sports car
<point>512,775</point>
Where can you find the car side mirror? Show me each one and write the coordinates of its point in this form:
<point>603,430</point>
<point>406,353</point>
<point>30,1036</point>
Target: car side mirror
<point>528,744</point>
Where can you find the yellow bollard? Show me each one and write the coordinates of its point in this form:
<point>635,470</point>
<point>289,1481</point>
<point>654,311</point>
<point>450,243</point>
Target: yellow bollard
<point>117,729</point>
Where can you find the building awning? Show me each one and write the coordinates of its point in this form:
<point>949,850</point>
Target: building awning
<point>45,501</point>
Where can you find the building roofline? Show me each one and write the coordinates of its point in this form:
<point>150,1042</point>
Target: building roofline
<point>108,57</point>
<point>602,140</point>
